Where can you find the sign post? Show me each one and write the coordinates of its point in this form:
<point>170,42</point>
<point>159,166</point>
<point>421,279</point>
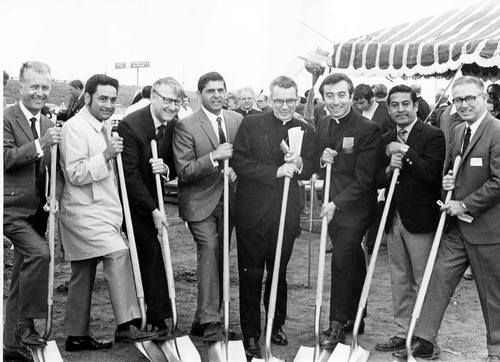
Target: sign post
<point>137,65</point>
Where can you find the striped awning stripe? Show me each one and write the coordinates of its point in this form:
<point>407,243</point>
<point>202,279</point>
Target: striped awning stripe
<point>433,46</point>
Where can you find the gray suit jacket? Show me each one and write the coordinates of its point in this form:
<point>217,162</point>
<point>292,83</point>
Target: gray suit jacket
<point>477,182</point>
<point>200,183</point>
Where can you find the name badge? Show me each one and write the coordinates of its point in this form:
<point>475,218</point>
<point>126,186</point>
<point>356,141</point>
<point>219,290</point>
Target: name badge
<point>348,142</point>
<point>476,161</point>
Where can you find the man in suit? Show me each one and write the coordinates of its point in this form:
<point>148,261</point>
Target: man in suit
<point>246,98</point>
<point>28,136</point>
<point>76,101</point>
<point>352,144</point>
<point>423,106</point>
<point>201,143</point>
<point>262,167</point>
<point>262,102</point>
<point>364,101</point>
<point>320,112</point>
<point>155,121</point>
<point>418,151</point>
<point>91,220</point>
<point>380,94</point>
<point>476,192</point>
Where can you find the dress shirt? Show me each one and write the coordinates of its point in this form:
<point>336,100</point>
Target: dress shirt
<point>28,116</point>
<point>407,128</point>
<point>215,125</point>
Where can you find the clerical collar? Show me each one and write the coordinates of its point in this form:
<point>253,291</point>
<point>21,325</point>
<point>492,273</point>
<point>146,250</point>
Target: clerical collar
<point>280,120</point>
<point>343,118</point>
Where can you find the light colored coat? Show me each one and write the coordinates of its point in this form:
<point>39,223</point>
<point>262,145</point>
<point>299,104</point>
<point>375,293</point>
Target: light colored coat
<point>90,208</point>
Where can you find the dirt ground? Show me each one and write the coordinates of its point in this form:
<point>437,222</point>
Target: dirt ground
<point>462,336</point>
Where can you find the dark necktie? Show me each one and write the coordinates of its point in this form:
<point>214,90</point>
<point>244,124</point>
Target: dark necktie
<point>160,140</point>
<point>33,127</point>
<point>466,140</point>
<point>222,137</point>
<point>402,135</point>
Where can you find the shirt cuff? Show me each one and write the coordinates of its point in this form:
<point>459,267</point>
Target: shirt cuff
<point>39,150</point>
<point>214,163</point>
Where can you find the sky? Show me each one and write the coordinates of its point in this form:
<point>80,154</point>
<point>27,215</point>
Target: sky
<point>249,42</point>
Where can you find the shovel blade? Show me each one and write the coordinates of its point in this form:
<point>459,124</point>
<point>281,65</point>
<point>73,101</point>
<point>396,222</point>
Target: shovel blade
<point>49,353</point>
<point>187,350</point>
<point>273,359</point>
<point>306,354</point>
<point>151,351</point>
<point>235,352</point>
<point>341,353</point>
<point>359,355</point>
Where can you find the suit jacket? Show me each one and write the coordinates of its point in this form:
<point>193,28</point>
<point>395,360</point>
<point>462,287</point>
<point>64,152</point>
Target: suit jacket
<point>23,182</point>
<point>419,182</point>
<point>74,106</point>
<point>383,119</point>
<point>423,109</point>
<point>137,130</point>
<point>477,183</point>
<point>319,113</point>
<point>257,157</point>
<point>352,188</point>
<point>200,183</point>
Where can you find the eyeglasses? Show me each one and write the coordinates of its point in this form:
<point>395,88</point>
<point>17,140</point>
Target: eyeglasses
<point>469,99</point>
<point>168,101</point>
<point>289,102</point>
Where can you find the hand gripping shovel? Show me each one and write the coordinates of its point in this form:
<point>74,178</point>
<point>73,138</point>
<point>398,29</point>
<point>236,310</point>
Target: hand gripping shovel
<point>359,354</point>
<point>178,349</point>
<point>274,283</point>
<point>147,348</point>
<point>428,269</point>
<point>317,354</point>
<point>50,353</point>
<point>227,351</point>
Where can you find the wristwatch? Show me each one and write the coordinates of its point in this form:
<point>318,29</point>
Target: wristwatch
<point>404,149</point>
<point>463,206</point>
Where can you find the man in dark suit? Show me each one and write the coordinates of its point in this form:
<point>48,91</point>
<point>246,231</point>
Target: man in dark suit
<point>320,112</point>
<point>418,150</point>
<point>423,107</point>
<point>246,98</point>
<point>76,102</point>
<point>352,144</point>
<point>201,143</point>
<point>368,107</point>
<point>24,220</point>
<point>155,121</point>
<point>262,167</point>
<point>476,191</point>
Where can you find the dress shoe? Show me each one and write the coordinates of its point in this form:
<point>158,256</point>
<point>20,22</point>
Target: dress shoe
<point>420,349</point>
<point>197,329</point>
<point>349,326</point>
<point>161,329</point>
<point>279,337</point>
<point>81,343</point>
<point>133,334</point>
<point>27,336</point>
<point>493,358</point>
<point>468,276</point>
<point>335,334</point>
<point>252,349</point>
<point>17,354</point>
<point>394,344</point>
<point>214,332</point>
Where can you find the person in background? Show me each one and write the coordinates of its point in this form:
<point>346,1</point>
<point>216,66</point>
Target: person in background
<point>494,92</point>
<point>365,103</point>
<point>5,80</point>
<point>141,103</point>
<point>185,109</point>
<point>246,97</point>
<point>262,102</point>
<point>423,106</point>
<point>76,101</point>
<point>380,94</point>
<point>441,100</point>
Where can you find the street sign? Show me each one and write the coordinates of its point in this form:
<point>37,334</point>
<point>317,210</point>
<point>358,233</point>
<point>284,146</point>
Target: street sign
<point>136,65</point>
<point>120,65</point>
<point>141,64</point>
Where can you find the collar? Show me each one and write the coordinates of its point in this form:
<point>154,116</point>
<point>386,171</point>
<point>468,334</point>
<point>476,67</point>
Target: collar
<point>407,128</point>
<point>345,117</point>
<point>281,121</point>
<point>212,117</point>
<point>474,126</point>
<point>94,122</point>
<point>27,113</point>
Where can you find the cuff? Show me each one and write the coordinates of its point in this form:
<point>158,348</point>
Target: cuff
<point>39,150</point>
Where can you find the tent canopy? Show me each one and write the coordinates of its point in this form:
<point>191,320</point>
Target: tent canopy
<point>434,46</point>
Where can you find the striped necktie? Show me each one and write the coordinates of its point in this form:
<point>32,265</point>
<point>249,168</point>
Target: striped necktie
<point>222,136</point>
<point>402,135</point>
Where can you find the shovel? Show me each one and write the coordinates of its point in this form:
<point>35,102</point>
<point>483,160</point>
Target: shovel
<point>359,354</point>
<point>147,348</point>
<point>309,250</point>
<point>178,349</point>
<point>50,353</point>
<point>428,269</point>
<point>274,283</point>
<point>227,351</point>
<point>317,354</point>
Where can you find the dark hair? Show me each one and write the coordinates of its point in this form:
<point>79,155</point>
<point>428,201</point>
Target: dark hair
<point>363,91</point>
<point>100,79</point>
<point>5,78</point>
<point>76,84</point>
<point>495,87</point>
<point>146,92</point>
<point>211,76</point>
<point>334,79</point>
<point>403,89</point>
<point>379,90</point>
<point>283,82</point>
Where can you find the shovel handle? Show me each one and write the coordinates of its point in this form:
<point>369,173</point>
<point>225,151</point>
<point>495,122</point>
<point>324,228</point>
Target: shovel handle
<point>225,254</point>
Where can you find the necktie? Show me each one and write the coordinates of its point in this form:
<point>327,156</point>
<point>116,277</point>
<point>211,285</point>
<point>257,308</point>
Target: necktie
<point>160,136</point>
<point>33,127</point>
<point>402,135</point>
<point>466,140</point>
<point>222,136</point>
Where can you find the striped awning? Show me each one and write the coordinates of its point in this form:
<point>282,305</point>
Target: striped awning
<point>430,47</point>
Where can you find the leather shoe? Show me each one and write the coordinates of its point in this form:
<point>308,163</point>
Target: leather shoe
<point>335,334</point>
<point>252,349</point>
<point>17,354</point>
<point>349,326</point>
<point>133,334</point>
<point>420,349</point>
<point>197,329</point>
<point>80,343</point>
<point>161,330</point>
<point>214,332</point>
<point>27,336</point>
<point>493,358</point>
<point>279,337</point>
<point>394,344</point>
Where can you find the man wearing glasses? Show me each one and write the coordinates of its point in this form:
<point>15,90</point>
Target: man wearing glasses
<point>262,167</point>
<point>155,121</point>
<point>246,97</point>
<point>201,143</point>
<point>476,193</point>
